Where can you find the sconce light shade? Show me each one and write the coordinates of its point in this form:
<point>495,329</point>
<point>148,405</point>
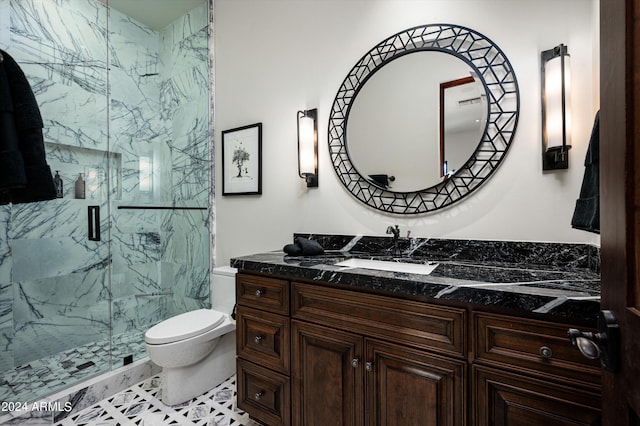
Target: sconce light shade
<point>308,146</point>
<point>556,108</point>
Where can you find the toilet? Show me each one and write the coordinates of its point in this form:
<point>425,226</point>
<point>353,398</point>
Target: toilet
<point>197,349</point>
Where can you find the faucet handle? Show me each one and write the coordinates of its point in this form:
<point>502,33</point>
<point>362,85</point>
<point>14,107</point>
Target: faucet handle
<point>393,229</point>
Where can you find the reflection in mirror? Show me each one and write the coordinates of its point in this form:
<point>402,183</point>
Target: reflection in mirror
<point>485,60</point>
<point>463,110</point>
<point>393,126</point>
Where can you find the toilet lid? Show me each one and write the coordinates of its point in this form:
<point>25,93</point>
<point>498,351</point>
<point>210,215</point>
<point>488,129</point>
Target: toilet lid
<point>183,326</point>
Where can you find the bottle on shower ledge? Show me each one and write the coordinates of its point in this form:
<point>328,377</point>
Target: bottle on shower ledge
<point>79,187</point>
<point>57,181</point>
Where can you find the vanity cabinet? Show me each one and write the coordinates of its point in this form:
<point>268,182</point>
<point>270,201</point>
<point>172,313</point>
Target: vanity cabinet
<point>312,354</point>
<point>344,374</point>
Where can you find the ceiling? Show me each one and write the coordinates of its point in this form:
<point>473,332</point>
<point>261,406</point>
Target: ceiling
<point>156,14</point>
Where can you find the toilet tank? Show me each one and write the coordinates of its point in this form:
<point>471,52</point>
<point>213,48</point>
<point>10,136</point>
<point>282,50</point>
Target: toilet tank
<point>223,289</point>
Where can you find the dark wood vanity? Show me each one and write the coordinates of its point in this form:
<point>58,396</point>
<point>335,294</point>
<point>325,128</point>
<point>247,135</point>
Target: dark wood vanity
<point>312,352</point>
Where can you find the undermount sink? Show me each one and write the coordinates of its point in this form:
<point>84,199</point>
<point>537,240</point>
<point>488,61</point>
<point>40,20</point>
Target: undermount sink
<point>385,265</point>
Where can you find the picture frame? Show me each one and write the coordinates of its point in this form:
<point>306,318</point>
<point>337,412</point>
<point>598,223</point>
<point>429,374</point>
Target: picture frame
<point>242,160</point>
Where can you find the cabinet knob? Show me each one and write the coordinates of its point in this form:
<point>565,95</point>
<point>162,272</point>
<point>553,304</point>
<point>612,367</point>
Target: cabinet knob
<point>546,352</point>
<point>368,366</point>
<point>259,293</point>
<point>258,395</point>
<point>355,362</point>
<point>258,339</point>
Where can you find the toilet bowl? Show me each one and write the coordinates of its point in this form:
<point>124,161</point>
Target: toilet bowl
<point>196,349</point>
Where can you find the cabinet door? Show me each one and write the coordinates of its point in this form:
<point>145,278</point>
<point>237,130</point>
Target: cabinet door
<point>327,376</point>
<point>404,386</point>
<point>505,399</point>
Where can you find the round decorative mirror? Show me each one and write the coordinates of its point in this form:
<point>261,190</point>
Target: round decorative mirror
<point>423,119</point>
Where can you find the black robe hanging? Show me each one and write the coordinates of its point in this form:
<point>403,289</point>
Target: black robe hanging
<point>586,215</point>
<point>24,173</point>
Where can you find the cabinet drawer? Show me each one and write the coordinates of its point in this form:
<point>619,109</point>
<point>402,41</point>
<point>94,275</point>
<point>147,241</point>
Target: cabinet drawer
<point>500,398</point>
<point>263,337</point>
<point>541,347</point>
<point>263,293</point>
<point>418,324</point>
<point>264,394</point>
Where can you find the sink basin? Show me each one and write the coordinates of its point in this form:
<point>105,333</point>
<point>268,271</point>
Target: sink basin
<point>385,265</point>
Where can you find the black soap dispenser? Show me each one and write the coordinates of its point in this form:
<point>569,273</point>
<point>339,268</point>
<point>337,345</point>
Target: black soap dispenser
<point>79,187</point>
<point>57,181</point>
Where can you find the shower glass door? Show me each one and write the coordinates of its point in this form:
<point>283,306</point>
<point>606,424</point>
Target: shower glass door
<point>126,120</point>
<point>159,137</point>
<point>55,294</point>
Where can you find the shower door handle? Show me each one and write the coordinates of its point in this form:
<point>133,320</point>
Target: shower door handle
<point>94,223</point>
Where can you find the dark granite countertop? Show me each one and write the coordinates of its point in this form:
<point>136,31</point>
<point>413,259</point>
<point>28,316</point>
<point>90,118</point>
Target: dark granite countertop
<point>557,280</point>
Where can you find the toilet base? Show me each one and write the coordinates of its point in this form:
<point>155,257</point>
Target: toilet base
<point>182,384</point>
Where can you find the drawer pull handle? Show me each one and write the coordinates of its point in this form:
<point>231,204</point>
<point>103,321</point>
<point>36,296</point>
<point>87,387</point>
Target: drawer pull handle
<point>355,362</point>
<point>258,395</point>
<point>259,293</point>
<point>546,352</point>
<point>258,339</point>
<point>368,366</point>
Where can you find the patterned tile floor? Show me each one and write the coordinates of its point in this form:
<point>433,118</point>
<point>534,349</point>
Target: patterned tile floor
<point>141,405</point>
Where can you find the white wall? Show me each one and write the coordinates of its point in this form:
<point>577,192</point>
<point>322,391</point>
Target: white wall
<point>274,57</point>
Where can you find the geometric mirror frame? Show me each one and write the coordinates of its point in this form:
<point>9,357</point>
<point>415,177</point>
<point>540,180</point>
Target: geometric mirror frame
<point>491,67</point>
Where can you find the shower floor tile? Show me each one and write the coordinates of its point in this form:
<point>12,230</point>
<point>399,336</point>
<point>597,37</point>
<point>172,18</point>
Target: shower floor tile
<point>140,405</point>
<point>45,376</point>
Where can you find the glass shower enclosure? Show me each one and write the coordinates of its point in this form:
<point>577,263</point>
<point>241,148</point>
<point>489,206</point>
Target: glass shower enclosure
<point>126,243</point>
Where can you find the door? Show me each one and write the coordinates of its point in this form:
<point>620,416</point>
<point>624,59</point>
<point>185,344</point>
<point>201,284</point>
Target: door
<point>159,179</point>
<point>620,200</point>
<point>405,386</point>
<point>327,377</point>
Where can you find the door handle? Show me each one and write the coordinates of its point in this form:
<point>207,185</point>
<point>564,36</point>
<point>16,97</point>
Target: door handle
<point>94,223</point>
<point>603,345</point>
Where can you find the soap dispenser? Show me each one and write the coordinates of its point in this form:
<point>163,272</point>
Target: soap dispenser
<point>57,181</point>
<point>79,187</point>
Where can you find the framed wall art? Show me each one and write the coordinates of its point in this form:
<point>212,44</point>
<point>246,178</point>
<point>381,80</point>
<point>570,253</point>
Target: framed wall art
<point>242,160</point>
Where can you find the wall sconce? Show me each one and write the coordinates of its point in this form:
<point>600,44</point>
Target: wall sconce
<point>556,108</point>
<point>308,146</point>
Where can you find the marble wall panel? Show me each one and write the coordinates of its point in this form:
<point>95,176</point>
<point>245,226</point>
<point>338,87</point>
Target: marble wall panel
<point>6,327</point>
<point>186,237</point>
<point>5,24</point>
<point>63,52</point>
<point>5,249</point>
<point>137,279</point>
<point>39,338</point>
<point>136,313</point>
<point>64,295</point>
<point>50,257</point>
<point>51,220</point>
<point>186,281</point>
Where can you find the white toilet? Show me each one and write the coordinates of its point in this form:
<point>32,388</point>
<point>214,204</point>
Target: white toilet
<point>197,349</point>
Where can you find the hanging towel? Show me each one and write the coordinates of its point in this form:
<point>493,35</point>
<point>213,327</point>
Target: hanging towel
<point>24,173</point>
<point>586,215</point>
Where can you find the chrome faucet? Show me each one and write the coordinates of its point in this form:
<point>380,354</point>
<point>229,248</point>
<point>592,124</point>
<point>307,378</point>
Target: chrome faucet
<point>395,230</point>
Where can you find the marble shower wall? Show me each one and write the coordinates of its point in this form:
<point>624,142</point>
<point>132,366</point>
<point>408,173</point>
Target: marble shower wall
<point>124,104</point>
